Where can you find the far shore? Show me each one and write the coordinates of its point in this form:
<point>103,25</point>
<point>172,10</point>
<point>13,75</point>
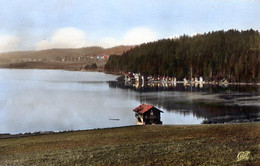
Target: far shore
<point>68,66</point>
<point>77,66</point>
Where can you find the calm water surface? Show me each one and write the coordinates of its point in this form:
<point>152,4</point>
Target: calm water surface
<point>54,100</point>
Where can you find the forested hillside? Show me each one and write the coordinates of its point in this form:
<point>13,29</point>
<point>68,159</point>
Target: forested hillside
<point>233,55</point>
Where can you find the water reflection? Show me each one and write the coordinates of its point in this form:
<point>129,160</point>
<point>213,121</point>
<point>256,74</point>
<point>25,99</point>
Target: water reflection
<point>218,103</point>
<point>146,87</point>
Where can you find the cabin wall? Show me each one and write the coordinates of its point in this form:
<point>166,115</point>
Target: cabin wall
<point>152,116</point>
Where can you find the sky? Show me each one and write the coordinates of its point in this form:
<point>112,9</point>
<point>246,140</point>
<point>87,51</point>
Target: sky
<point>46,24</point>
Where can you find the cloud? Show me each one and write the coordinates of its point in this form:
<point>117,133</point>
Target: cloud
<point>64,38</point>
<point>75,38</point>
<point>139,35</point>
<point>108,42</point>
<point>174,36</point>
<point>9,43</point>
<point>134,36</point>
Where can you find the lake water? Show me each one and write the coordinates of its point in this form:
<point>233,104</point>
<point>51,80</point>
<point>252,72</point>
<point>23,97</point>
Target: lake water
<point>55,100</point>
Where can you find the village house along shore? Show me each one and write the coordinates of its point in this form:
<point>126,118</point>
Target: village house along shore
<point>139,80</point>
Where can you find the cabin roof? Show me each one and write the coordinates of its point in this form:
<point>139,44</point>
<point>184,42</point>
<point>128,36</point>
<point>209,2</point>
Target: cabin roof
<point>144,108</point>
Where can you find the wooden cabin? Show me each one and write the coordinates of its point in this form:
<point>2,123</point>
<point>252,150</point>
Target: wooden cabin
<point>147,114</point>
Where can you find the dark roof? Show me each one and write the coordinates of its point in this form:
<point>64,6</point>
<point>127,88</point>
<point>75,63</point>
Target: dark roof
<point>144,108</point>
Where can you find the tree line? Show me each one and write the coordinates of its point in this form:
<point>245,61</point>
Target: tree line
<point>231,55</point>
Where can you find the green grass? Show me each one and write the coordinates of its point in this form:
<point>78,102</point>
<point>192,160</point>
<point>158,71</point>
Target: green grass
<point>140,145</point>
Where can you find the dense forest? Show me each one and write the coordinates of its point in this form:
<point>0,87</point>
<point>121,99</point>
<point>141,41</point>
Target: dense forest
<point>233,55</point>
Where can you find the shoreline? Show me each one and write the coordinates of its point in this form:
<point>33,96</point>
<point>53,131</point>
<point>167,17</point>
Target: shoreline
<point>101,69</point>
<point>140,80</point>
<point>68,66</point>
<point>40,133</point>
<point>61,69</point>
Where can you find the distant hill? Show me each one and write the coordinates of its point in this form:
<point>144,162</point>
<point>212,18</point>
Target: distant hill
<point>53,53</point>
<point>67,59</point>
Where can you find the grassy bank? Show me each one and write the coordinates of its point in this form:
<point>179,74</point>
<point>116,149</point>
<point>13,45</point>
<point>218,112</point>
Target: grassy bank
<point>148,145</point>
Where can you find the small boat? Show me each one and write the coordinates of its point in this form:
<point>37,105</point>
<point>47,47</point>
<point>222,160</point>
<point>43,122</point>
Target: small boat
<point>114,119</point>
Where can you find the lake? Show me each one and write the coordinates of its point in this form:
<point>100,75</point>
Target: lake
<point>55,100</point>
